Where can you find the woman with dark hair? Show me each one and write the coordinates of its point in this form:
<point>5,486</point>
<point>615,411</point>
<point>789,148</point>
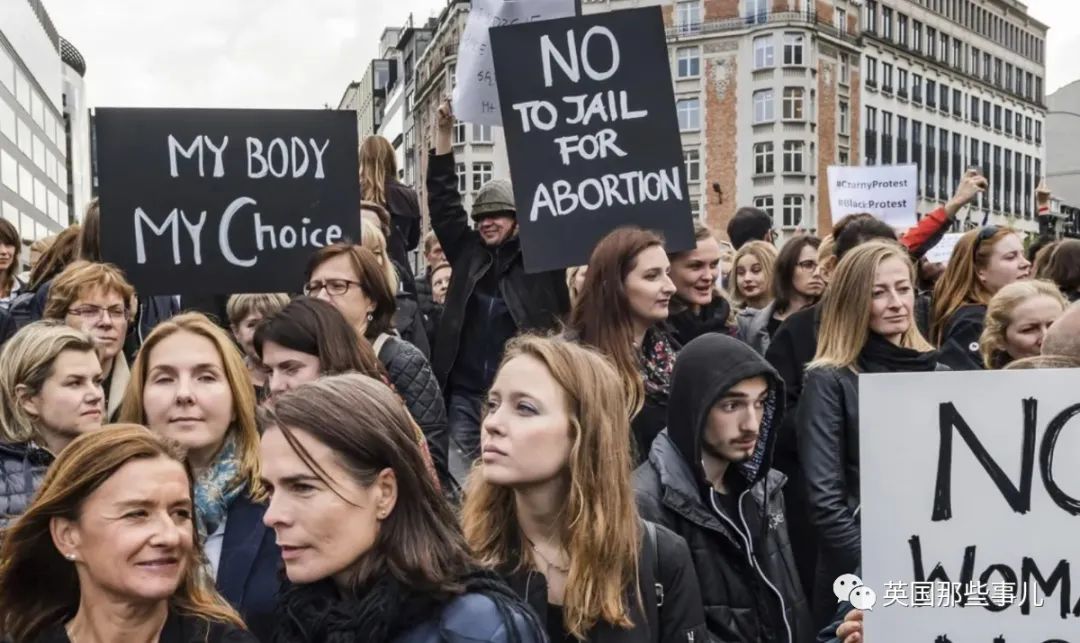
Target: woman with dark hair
<point>372,551</point>
<point>10,243</point>
<point>29,304</point>
<point>108,551</point>
<point>1063,268</point>
<point>379,184</point>
<point>351,279</point>
<point>796,285</point>
<point>982,263</point>
<point>698,306</point>
<point>621,312</point>
<point>309,339</point>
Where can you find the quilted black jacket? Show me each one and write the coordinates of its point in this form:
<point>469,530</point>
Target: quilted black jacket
<point>22,468</point>
<point>414,380</point>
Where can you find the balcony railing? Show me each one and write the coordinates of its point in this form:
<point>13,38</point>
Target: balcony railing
<point>808,18</point>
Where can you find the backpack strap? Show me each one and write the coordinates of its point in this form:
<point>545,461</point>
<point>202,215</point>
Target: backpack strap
<point>652,589</point>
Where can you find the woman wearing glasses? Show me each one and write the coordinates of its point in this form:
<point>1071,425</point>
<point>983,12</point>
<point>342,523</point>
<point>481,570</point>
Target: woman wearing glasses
<point>796,284</point>
<point>351,279</point>
<point>96,299</point>
<point>983,262</point>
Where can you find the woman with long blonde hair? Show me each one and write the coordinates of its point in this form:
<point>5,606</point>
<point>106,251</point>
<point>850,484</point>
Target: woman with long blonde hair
<point>551,505</point>
<point>867,326</point>
<point>1017,320</point>
<point>751,277</point>
<point>983,262</point>
<point>109,551</point>
<point>189,383</point>
<point>379,184</point>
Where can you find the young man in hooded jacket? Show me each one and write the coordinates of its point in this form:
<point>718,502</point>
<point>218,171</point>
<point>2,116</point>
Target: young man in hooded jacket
<point>709,479</point>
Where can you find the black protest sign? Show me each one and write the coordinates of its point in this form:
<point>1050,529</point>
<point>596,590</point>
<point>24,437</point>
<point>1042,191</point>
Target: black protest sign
<point>593,140</point>
<point>208,201</point>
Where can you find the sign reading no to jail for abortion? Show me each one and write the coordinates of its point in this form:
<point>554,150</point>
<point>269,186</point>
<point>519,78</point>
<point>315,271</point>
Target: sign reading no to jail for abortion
<point>971,506</point>
<point>209,201</point>
<point>592,136</point>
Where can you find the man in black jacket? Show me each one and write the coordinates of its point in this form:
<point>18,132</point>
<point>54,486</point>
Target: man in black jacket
<point>491,298</point>
<point>709,479</point>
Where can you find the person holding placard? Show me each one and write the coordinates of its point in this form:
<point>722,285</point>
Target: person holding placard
<point>621,312</point>
<point>189,384</point>
<point>867,326</point>
<point>698,306</point>
<point>1017,320</point>
<point>491,297</point>
<point>709,478</point>
<point>50,393</point>
<point>983,262</point>
<point>551,505</point>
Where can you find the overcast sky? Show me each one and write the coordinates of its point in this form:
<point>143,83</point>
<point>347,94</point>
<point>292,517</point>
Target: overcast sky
<point>297,53</point>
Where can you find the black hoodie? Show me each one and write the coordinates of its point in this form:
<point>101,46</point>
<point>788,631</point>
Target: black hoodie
<point>749,584</point>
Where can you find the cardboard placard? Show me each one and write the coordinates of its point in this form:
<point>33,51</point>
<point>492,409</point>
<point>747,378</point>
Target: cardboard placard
<point>217,201</point>
<point>888,192</point>
<point>592,134</point>
<point>941,252</point>
<point>476,97</point>
<point>970,500</point>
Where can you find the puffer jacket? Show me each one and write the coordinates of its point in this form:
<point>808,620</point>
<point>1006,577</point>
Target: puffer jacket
<point>471,618</point>
<point>749,583</point>
<point>411,375</point>
<point>22,469</point>
<point>536,302</point>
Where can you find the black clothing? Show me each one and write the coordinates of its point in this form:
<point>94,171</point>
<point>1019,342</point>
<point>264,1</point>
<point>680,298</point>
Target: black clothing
<point>664,561</point>
<point>960,349</point>
<point>404,208</point>
<point>490,293</point>
<point>713,318</point>
<point>178,629</point>
<point>389,612</point>
<point>881,356</point>
<point>556,625</point>
<point>22,470</point>
<point>749,584</point>
<point>772,326</point>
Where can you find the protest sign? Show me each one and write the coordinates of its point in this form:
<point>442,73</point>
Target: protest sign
<point>941,252</point>
<point>885,191</point>
<point>476,98</point>
<point>591,131</point>
<point>970,496</point>
<point>206,201</point>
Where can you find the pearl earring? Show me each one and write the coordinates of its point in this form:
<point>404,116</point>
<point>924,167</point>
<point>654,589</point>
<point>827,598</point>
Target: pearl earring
<point>71,556</point>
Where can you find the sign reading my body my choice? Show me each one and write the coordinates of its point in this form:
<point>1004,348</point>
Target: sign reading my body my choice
<point>592,136</point>
<point>201,201</point>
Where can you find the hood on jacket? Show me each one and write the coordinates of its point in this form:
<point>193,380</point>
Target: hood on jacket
<point>706,369</point>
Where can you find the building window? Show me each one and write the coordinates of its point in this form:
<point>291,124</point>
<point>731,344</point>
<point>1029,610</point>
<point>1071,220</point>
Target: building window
<point>843,156</point>
<point>944,48</point>
<point>901,140</point>
<point>688,15</point>
<point>886,77</point>
<point>916,35</point>
<point>1027,128</point>
<point>460,133</point>
<point>1008,76</point>
<point>997,72</point>
<point>931,42</point>
<point>957,53</point>
<point>689,110</point>
<point>871,72</point>
<point>974,64</point>
<point>793,157</point>
<point>692,161</point>
<point>793,49</point>
<point>997,117</point>
<point>931,93</point>
<point>840,20</point>
<point>765,204</point>
<point>793,104</point>
<point>870,16</point>
<point>886,138</point>
<point>916,88</point>
<point>901,82</point>
<point>886,23</point>
<point>763,158</point>
<point>902,29</point>
<point>845,117</point>
<point>973,111</point>
<point>944,93</point>
<point>1008,122</point>
<point>871,136</point>
<point>757,11</point>
<point>481,133</point>
<point>1038,132</point>
<point>763,52</point>
<point>482,173</point>
<point>793,210</point>
<point>845,69</point>
<point>763,106</point>
<point>689,62</point>
<point>462,177</point>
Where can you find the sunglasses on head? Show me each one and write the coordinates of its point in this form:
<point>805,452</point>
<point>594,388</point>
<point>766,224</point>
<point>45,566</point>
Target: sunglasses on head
<point>985,233</point>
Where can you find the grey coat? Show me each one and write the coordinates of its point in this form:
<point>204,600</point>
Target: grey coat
<point>22,469</point>
<point>754,326</point>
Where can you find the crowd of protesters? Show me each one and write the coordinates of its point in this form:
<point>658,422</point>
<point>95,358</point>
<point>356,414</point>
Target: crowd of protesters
<point>653,447</point>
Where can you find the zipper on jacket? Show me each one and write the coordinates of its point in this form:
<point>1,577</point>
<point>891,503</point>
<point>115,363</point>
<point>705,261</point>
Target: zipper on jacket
<point>750,552</point>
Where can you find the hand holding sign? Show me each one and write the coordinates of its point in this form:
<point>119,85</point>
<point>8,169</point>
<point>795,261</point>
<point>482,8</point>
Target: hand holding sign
<point>444,128</point>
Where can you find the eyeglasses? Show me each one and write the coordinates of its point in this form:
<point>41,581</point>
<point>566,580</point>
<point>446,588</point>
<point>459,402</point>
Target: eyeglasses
<point>808,265</point>
<point>985,233</point>
<point>334,287</point>
<point>91,313</point>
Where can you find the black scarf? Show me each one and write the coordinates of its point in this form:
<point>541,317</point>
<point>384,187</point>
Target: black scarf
<point>713,318</point>
<point>316,613</point>
<point>882,356</point>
